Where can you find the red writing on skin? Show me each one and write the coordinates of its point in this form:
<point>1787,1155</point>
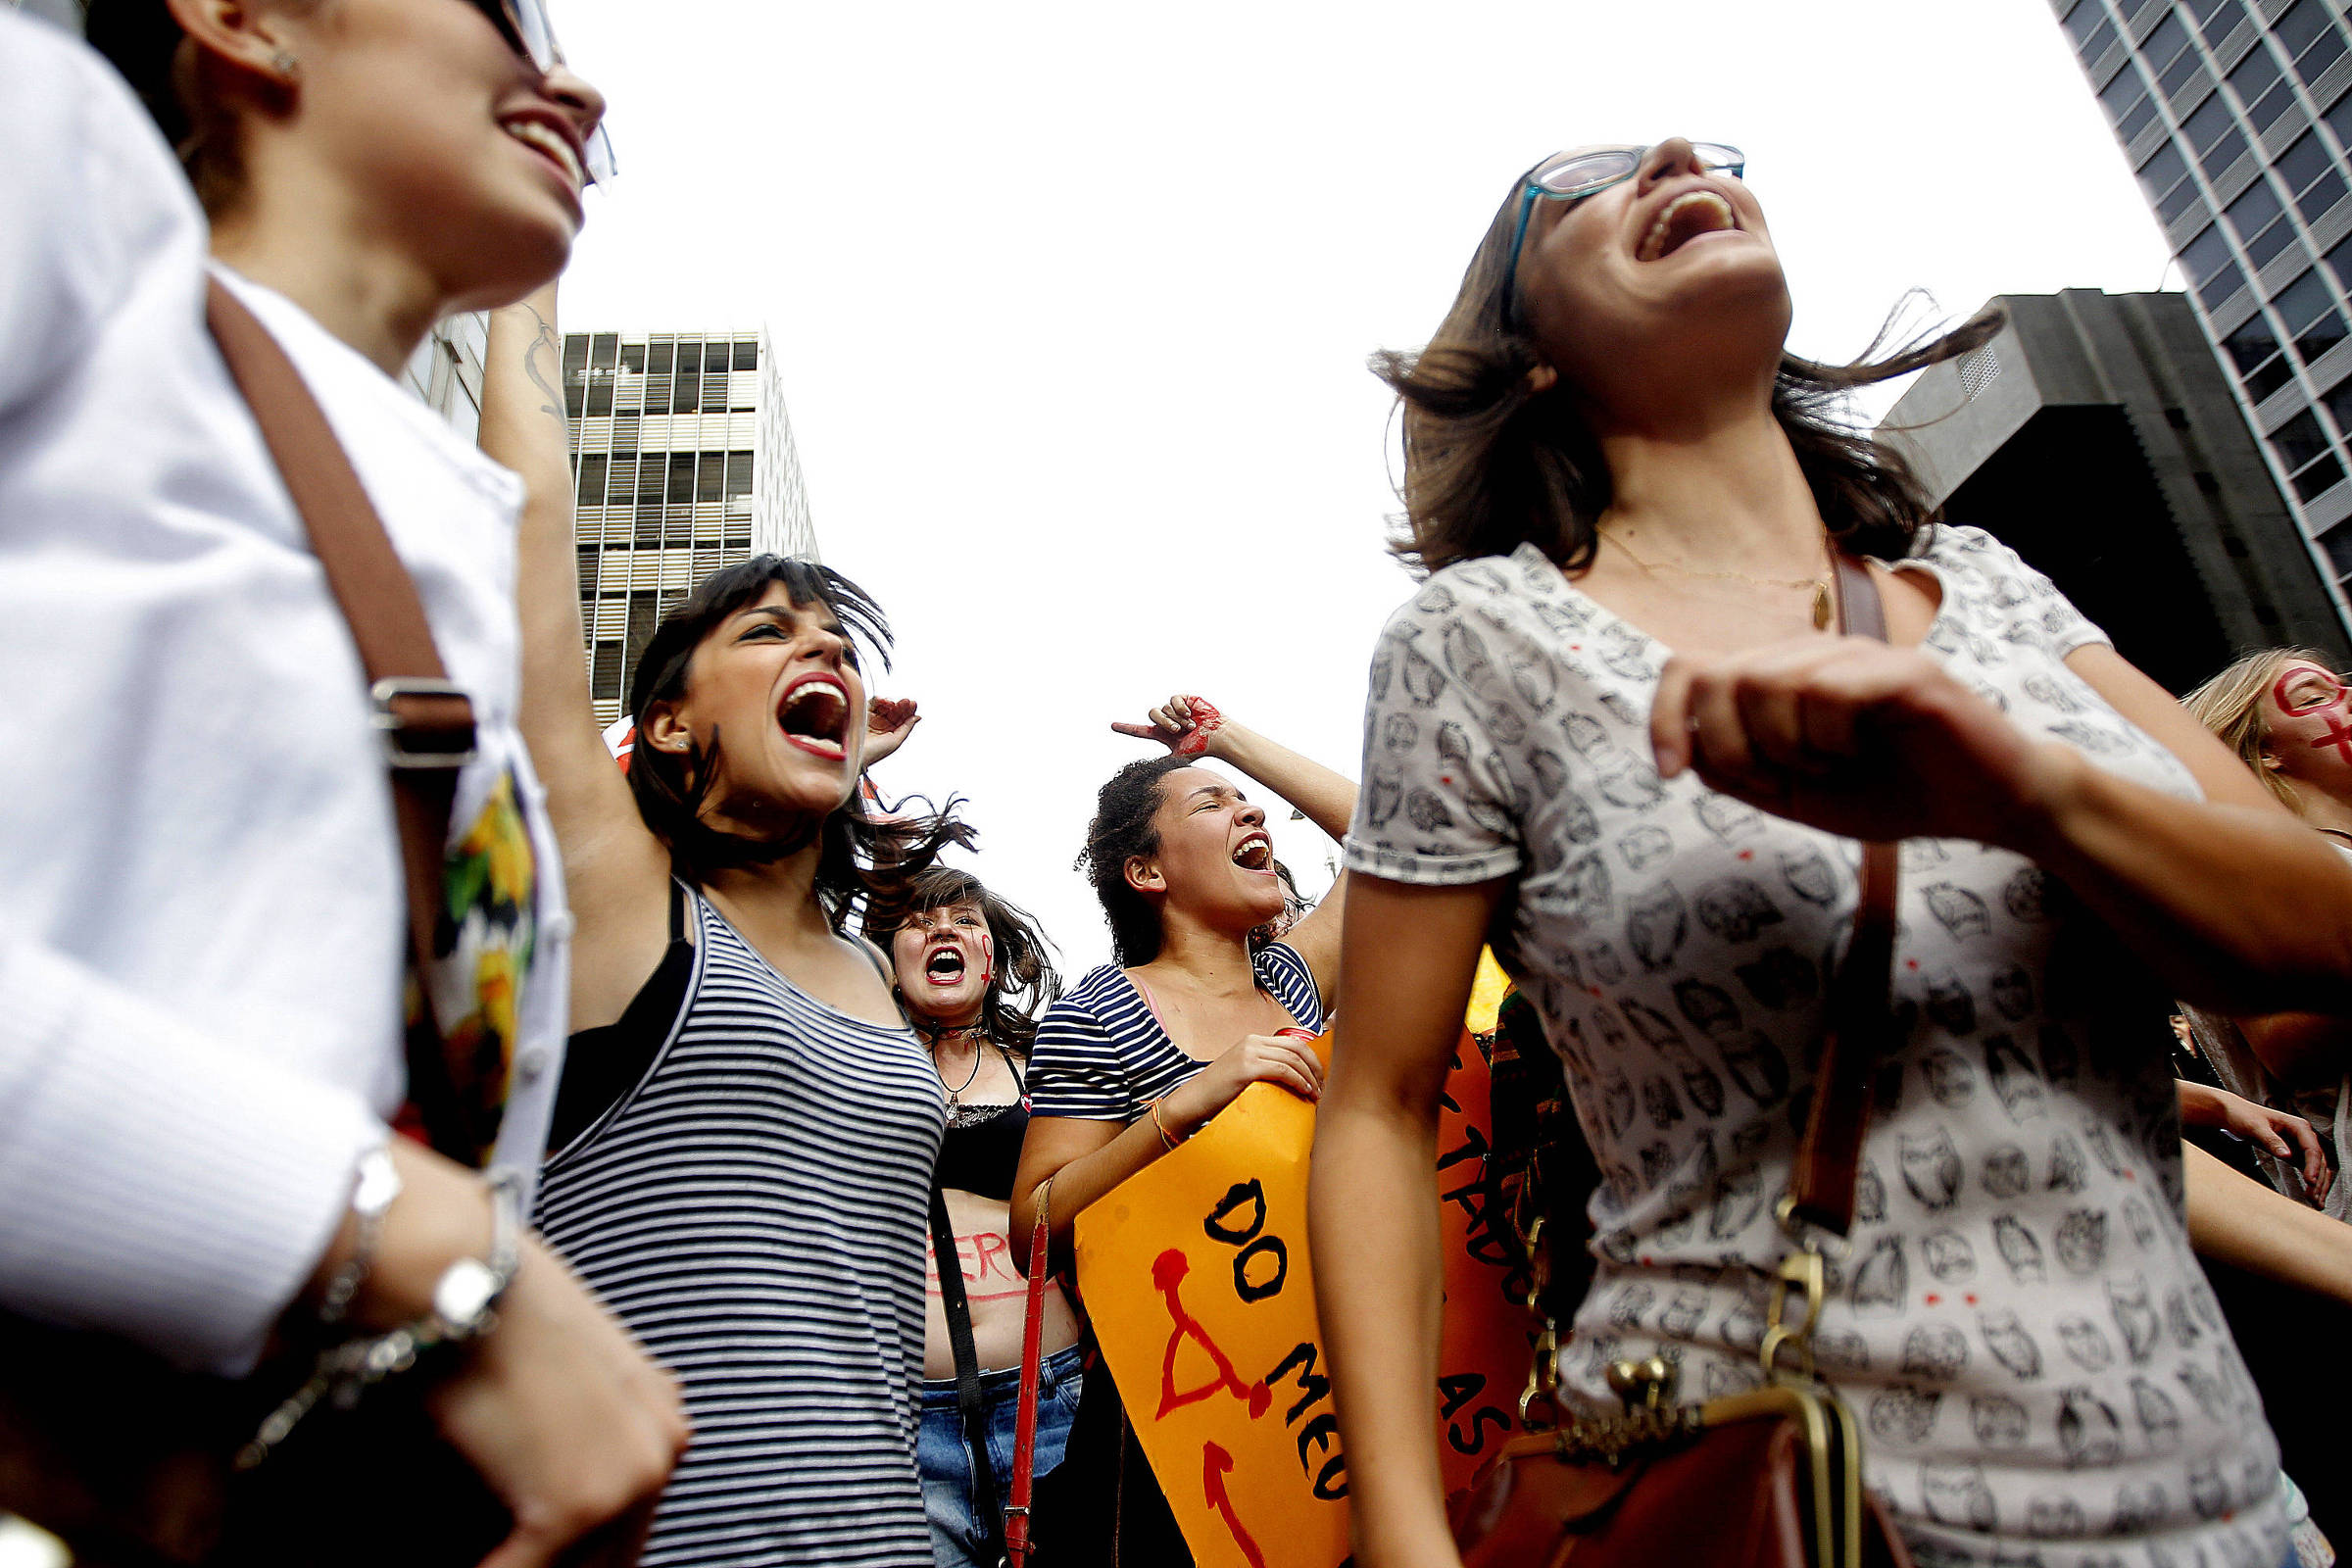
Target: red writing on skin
<point>2330,694</point>
<point>982,1256</point>
<point>2338,737</point>
<point>1167,1276</point>
<point>988,958</point>
<point>1205,720</point>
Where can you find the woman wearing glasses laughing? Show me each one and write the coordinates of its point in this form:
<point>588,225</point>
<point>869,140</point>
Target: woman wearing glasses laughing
<point>1619,734</point>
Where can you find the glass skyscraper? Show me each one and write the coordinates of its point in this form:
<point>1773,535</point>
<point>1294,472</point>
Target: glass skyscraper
<point>685,462</point>
<point>2236,117</point>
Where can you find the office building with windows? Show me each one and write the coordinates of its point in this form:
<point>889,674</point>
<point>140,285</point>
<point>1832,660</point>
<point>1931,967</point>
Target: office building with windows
<point>2236,116</point>
<point>685,462</point>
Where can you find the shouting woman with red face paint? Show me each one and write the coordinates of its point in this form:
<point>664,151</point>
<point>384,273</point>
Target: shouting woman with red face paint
<point>1143,1051</point>
<point>973,972</point>
<point>746,1129</point>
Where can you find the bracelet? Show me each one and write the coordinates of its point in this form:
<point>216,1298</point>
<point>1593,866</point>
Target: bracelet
<point>1166,1142</point>
<point>465,1308</point>
<point>372,1193</point>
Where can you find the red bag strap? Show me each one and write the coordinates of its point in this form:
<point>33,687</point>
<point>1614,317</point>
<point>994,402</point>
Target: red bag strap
<point>1860,1022</point>
<point>425,722</point>
<point>1024,1430</point>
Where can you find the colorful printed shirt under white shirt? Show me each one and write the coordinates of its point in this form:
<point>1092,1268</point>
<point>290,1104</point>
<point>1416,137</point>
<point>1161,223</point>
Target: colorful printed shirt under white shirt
<point>2043,1373</point>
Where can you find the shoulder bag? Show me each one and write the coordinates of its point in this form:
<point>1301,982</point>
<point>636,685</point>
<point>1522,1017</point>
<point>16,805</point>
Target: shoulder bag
<point>1771,1478</point>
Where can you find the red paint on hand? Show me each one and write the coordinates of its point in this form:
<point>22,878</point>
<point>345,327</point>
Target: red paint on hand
<point>1205,721</point>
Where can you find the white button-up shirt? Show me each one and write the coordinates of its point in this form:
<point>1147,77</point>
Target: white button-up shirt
<point>202,937</point>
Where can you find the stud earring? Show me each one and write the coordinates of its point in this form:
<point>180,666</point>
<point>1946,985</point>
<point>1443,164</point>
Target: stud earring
<point>285,65</point>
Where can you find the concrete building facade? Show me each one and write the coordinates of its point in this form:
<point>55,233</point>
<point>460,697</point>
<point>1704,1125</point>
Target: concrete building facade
<point>684,459</point>
<point>2099,437</point>
<point>2235,117</point>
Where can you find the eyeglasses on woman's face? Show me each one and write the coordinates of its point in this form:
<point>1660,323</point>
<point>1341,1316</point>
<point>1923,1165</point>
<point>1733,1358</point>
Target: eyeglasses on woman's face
<point>524,25</point>
<point>1572,176</point>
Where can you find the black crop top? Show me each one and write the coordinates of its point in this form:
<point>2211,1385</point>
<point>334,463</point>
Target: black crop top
<point>980,1155</point>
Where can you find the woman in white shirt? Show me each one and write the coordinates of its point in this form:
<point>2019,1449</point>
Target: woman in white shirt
<point>200,963</point>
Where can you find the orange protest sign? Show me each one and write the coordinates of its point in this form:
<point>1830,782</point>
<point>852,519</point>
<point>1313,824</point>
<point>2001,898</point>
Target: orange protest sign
<point>1196,1276</point>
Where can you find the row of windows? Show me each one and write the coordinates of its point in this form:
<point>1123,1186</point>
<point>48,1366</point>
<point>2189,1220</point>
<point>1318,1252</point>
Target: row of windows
<point>2313,180</point>
<point>2311,324</point>
<point>2310,37</point>
<point>684,377</point>
<point>676,478</point>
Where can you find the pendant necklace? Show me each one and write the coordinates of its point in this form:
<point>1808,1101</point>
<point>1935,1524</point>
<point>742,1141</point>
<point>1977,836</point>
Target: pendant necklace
<point>956,1092</point>
<point>1824,607</point>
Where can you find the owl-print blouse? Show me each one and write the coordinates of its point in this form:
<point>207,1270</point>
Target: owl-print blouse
<point>2042,1374</point>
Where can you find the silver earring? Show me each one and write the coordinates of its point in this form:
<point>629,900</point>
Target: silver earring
<point>285,65</point>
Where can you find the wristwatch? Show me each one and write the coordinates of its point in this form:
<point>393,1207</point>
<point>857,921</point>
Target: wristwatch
<point>466,1295</point>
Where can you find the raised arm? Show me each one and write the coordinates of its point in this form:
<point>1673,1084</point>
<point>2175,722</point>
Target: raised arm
<point>1194,726</point>
<point>616,870</point>
<point>2238,906</point>
<point>1410,955</point>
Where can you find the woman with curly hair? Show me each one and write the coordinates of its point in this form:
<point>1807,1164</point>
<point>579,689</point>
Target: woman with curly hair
<point>1145,1051</point>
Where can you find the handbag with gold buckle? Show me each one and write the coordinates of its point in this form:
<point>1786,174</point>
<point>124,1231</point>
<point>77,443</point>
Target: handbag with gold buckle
<point>1771,1477</point>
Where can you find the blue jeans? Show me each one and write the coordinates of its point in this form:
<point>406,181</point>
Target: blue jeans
<point>959,1536</point>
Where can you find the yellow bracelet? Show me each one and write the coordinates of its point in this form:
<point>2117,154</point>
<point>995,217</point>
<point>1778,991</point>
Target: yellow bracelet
<point>1162,1127</point>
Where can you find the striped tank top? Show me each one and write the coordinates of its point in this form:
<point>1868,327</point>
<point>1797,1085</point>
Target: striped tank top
<point>755,1211</point>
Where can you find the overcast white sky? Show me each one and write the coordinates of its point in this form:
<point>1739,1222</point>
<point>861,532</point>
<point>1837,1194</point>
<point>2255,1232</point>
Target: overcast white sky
<point>1073,299</point>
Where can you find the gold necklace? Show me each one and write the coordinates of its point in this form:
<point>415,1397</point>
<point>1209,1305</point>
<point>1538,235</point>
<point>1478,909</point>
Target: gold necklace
<point>1824,607</point>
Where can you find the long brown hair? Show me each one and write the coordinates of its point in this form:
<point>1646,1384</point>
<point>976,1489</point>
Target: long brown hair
<point>2230,705</point>
<point>1490,463</point>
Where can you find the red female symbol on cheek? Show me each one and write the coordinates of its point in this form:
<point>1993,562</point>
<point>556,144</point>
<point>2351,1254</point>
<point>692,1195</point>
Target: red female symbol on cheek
<point>2338,736</point>
<point>987,959</point>
<point>2329,693</point>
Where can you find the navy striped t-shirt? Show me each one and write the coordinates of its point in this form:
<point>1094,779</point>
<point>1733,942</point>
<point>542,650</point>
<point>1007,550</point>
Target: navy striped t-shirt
<point>1101,1056</point>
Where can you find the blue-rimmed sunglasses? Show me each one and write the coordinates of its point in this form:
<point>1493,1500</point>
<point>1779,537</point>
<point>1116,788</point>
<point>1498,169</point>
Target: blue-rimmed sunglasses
<point>524,25</point>
<point>1573,177</point>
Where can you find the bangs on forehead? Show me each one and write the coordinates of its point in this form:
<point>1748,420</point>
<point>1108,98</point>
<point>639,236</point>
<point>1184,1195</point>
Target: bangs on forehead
<point>736,589</point>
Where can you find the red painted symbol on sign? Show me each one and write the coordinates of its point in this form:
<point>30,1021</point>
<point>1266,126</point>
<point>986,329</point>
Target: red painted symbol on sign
<point>1215,1465</point>
<point>1167,1274</point>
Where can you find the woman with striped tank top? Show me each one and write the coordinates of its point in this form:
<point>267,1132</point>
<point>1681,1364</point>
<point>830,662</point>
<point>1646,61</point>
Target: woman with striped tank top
<point>741,1153</point>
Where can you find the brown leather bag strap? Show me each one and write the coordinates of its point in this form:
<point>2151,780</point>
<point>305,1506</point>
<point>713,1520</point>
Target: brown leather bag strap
<point>425,722</point>
<point>1860,1020</point>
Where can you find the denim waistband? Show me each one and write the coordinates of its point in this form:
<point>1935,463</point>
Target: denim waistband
<point>1006,1380</point>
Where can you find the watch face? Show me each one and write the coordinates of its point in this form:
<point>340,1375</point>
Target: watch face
<point>379,1184</point>
<point>464,1293</point>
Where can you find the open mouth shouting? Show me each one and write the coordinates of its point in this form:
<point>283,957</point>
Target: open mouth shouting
<point>1255,853</point>
<point>814,715</point>
<point>945,968</point>
<point>1695,212</point>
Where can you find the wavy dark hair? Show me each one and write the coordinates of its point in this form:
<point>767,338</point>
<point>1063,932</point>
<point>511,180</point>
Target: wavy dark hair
<point>1027,982</point>
<point>1490,463</point>
<point>863,855</point>
<point>1122,829</point>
